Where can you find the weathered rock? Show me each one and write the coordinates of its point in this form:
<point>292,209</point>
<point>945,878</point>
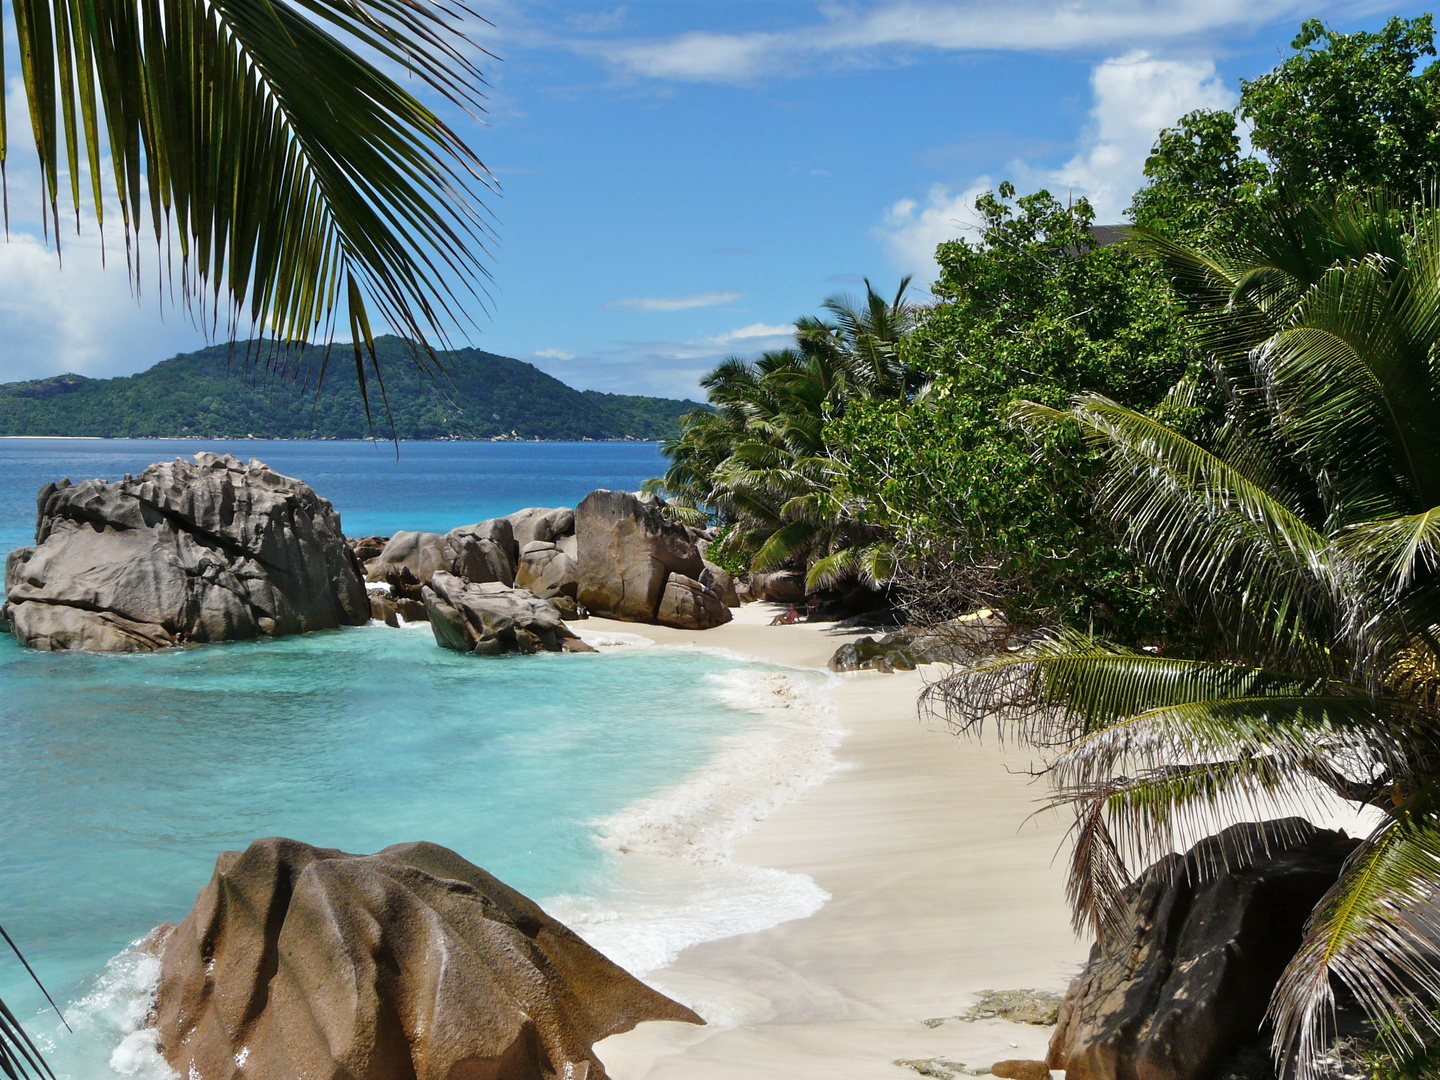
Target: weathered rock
<point>689,605</point>
<point>490,618</point>
<point>209,550</point>
<point>484,552</point>
<point>412,610</point>
<point>382,608</point>
<point>477,553</point>
<point>778,586</point>
<point>718,578</point>
<point>1039,1007</point>
<point>542,523</point>
<point>367,547</point>
<point>1186,981</point>
<point>546,571</point>
<point>628,550</point>
<point>410,964</point>
<point>1020,1069</point>
<point>569,610</point>
<point>570,545</point>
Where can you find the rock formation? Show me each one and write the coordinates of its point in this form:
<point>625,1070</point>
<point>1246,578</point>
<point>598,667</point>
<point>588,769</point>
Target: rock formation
<point>489,619</point>
<point>717,578</point>
<point>410,964</point>
<point>202,551</point>
<point>481,552</point>
<point>690,605</point>
<point>778,586</point>
<point>546,570</point>
<point>541,523</point>
<point>1187,980</point>
<point>629,552</point>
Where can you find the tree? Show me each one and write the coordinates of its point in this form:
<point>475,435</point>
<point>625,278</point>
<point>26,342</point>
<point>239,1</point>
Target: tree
<point>297,178</point>
<point>1345,112</point>
<point>1036,308</point>
<point>1304,526</point>
<point>759,461</point>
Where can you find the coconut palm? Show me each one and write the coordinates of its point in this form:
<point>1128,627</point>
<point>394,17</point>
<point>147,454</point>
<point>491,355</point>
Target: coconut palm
<point>1305,531</point>
<point>286,175</point>
<point>269,147</point>
<point>759,461</point>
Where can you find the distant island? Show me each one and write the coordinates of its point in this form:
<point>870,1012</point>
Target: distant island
<point>215,394</point>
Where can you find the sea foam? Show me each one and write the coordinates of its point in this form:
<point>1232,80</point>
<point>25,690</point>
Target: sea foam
<point>676,883</point>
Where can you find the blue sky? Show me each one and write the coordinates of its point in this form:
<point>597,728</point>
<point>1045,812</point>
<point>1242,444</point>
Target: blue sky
<point>682,179</point>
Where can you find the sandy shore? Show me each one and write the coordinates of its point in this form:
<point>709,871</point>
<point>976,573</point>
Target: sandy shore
<point>940,888</point>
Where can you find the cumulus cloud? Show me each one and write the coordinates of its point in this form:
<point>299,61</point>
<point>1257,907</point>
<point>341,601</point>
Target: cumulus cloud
<point>79,318</point>
<point>1134,96</point>
<point>675,303</point>
<point>555,354</point>
<point>910,231</point>
<point>885,31</point>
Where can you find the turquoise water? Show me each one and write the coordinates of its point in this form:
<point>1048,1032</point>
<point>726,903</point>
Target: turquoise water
<point>122,777</point>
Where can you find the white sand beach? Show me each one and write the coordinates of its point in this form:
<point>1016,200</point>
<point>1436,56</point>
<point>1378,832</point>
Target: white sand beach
<point>940,887</point>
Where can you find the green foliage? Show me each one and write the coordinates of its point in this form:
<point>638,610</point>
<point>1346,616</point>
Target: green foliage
<point>1350,110</point>
<point>1396,1057</point>
<point>213,394</point>
<point>1303,525</point>
<point>759,461</point>
<point>729,552</point>
<point>1034,309</point>
<point>1344,112</point>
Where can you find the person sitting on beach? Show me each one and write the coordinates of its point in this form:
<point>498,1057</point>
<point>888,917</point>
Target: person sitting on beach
<point>786,618</point>
<point>812,606</point>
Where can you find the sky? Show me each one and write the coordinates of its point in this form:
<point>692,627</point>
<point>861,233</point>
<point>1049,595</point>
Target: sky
<point>682,179</point>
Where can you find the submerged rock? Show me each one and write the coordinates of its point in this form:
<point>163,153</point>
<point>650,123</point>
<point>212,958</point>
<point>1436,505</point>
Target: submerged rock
<point>1187,981</point>
<point>490,619</point>
<point>410,964</point>
<point>186,552</point>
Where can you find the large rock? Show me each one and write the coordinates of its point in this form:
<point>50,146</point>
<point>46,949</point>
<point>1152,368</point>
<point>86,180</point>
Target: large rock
<point>202,551</point>
<point>628,550</point>
<point>546,571</point>
<point>478,553</point>
<point>1187,980</point>
<point>542,523</point>
<point>410,964</point>
<point>778,586</point>
<point>718,578</point>
<point>690,605</point>
<point>490,619</point>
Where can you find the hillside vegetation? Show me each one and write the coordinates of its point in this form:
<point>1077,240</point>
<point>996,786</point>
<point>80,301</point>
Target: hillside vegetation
<point>214,394</point>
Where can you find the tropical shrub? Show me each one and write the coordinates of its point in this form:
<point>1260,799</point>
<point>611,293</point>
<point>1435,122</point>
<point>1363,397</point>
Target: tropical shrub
<point>1037,308</point>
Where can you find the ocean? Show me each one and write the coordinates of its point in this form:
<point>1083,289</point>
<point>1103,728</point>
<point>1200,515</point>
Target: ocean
<point>608,786</point>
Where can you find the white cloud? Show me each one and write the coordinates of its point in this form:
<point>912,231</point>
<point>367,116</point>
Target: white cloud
<point>555,354</point>
<point>911,232</point>
<point>676,303</point>
<point>754,330</point>
<point>886,31</point>
<point>80,318</point>
<point>1135,96</point>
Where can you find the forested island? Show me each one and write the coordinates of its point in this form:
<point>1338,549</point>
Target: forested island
<point>219,393</point>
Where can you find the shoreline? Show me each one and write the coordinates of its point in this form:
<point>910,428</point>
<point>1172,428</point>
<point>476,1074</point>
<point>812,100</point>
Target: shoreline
<point>940,883</point>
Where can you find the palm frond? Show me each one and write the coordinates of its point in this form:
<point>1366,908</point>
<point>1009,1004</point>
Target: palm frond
<point>1376,931</point>
<point>298,177</point>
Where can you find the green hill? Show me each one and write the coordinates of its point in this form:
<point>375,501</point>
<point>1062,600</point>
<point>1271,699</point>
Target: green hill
<point>214,394</point>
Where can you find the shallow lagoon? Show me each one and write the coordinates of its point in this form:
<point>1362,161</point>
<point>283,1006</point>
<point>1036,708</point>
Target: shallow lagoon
<point>122,777</point>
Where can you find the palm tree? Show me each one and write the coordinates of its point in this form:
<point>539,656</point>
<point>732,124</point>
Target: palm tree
<point>1305,531</point>
<point>759,460</point>
<point>285,174</point>
<point>287,177</point>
